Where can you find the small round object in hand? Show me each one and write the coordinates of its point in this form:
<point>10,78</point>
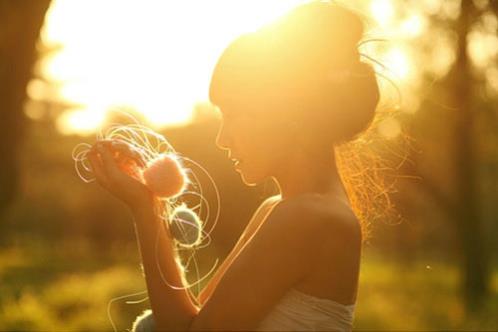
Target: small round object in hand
<point>164,176</point>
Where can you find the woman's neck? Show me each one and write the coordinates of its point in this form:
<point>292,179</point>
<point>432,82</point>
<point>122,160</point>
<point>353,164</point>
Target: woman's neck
<point>306,174</point>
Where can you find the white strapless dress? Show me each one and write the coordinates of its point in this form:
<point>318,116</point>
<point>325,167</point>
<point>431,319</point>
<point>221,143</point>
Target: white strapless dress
<point>297,311</point>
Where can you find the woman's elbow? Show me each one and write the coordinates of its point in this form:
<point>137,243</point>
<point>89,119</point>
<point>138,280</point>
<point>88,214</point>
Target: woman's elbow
<point>148,322</point>
<point>144,323</point>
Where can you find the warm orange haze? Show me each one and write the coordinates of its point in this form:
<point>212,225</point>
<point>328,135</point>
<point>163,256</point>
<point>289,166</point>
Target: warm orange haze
<point>148,57</point>
<point>87,85</point>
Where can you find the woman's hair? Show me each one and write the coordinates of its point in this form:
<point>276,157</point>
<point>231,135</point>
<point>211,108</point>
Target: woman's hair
<point>305,66</point>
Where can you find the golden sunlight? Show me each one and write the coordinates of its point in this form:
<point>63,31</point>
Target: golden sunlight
<point>413,26</point>
<point>382,11</point>
<point>389,128</point>
<point>154,57</point>
<point>398,63</point>
<point>82,121</point>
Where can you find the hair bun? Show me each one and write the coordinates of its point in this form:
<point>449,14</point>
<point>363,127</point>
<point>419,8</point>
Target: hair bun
<point>299,63</point>
<point>355,101</point>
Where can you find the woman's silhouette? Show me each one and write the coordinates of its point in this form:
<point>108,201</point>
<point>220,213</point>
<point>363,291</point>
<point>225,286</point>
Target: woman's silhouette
<point>289,93</point>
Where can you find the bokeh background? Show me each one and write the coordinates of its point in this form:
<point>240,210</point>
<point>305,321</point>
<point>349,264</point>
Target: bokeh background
<point>67,248</point>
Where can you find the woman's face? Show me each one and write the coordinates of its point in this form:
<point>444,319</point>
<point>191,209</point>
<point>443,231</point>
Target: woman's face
<point>258,146</point>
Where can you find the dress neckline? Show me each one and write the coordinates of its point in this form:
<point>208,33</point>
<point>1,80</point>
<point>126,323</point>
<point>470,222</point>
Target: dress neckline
<point>321,299</point>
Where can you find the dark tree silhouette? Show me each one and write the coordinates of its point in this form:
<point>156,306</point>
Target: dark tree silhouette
<point>461,202</point>
<point>475,260</point>
<point>20,23</point>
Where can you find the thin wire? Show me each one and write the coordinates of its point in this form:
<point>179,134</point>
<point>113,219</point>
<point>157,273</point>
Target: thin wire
<point>109,304</point>
<point>150,145</point>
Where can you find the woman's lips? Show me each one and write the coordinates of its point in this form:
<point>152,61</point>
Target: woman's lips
<point>236,161</point>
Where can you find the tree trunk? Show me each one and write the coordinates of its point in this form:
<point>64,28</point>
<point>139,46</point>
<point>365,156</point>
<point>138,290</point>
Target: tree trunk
<point>20,23</point>
<point>475,271</point>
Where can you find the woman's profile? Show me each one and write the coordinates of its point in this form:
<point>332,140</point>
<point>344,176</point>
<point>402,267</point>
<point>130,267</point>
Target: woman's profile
<point>288,93</point>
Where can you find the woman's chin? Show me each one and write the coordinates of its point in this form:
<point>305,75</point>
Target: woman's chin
<point>249,178</point>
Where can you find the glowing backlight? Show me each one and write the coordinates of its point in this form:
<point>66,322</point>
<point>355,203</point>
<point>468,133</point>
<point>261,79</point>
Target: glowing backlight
<point>152,56</point>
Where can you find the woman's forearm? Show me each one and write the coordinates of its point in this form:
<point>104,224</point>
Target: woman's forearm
<point>172,308</point>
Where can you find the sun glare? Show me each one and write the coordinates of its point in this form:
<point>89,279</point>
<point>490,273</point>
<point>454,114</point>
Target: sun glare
<point>155,57</point>
<point>398,63</point>
<point>413,26</point>
<point>82,121</point>
<point>382,11</point>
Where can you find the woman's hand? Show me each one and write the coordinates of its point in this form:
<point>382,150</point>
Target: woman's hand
<point>117,168</point>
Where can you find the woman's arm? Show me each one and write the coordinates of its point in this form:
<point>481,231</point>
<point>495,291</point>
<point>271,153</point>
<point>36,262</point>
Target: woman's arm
<point>275,258</point>
<point>148,226</point>
<point>172,308</point>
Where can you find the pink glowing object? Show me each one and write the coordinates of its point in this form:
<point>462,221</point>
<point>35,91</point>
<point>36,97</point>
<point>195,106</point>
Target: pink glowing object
<point>164,176</point>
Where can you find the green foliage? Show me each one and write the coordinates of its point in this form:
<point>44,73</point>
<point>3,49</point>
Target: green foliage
<point>423,295</point>
<point>67,287</point>
<point>70,289</point>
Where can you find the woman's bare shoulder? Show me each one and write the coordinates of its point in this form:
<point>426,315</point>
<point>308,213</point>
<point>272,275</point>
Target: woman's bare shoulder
<point>318,213</point>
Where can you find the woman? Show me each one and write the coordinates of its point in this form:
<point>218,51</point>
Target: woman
<point>288,93</point>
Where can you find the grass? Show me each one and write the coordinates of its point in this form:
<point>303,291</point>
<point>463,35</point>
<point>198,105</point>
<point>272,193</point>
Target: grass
<point>68,287</point>
<point>422,295</point>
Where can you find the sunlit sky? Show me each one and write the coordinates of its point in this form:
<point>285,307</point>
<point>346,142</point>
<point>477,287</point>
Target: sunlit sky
<point>157,56</point>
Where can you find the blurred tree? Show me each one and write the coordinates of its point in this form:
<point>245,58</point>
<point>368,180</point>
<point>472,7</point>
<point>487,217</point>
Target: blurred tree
<point>469,224</point>
<point>20,23</point>
<point>456,186</point>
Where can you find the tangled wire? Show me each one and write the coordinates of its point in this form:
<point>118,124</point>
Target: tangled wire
<point>152,160</point>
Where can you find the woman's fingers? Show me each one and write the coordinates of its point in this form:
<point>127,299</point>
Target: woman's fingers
<point>98,169</point>
<point>111,169</point>
<point>127,149</point>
